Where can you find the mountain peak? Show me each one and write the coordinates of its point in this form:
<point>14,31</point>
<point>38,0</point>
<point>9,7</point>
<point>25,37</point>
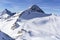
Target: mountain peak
<point>33,12</point>
<point>7,12</point>
<point>36,8</point>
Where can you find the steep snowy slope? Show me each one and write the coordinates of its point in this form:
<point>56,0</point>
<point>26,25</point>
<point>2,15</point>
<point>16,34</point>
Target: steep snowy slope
<point>46,28</point>
<point>6,25</point>
<point>33,12</point>
<point>36,25</point>
<point>6,14</point>
<point>4,36</point>
<point>7,20</point>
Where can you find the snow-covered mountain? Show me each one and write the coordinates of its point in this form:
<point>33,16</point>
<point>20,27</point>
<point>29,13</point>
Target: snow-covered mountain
<point>31,24</point>
<point>6,14</point>
<point>33,12</point>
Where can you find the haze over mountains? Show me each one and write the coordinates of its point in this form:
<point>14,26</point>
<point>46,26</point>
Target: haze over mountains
<point>31,24</point>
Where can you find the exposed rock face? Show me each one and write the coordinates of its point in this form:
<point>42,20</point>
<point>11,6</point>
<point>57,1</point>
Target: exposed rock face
<point>7,12</point>
<point>36,8</point>
<point>33,12</point>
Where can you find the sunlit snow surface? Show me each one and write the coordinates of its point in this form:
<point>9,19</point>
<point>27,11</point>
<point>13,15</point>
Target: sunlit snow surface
<point>30,25</point>
<point>44,28</point>
<point>5,25</point>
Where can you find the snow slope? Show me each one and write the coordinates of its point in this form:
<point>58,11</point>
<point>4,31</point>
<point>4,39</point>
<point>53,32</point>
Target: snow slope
<point>6,14</point>
<point>31,24</point>
<point>38,25</point>
<point>4,36</point>
<point>46,28</point>
<point>7,25</point>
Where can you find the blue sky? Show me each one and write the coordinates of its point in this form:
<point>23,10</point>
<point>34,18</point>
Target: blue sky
<point>49,6</point>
